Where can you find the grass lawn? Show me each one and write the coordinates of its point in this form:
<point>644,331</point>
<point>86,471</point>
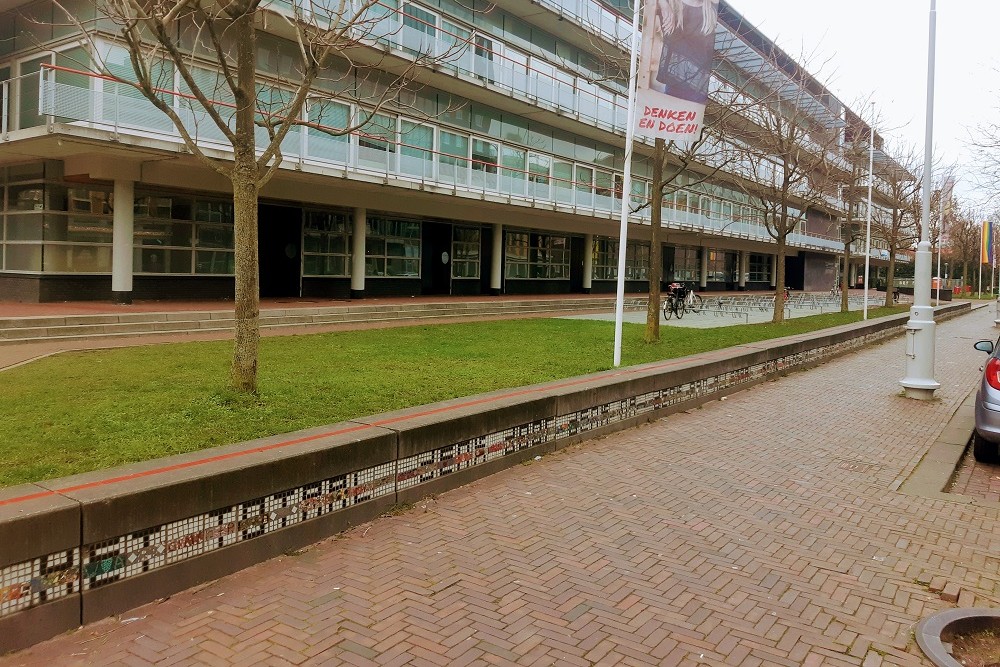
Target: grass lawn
<point>84,411</point>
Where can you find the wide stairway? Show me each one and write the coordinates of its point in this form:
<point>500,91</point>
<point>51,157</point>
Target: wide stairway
<point>110,325</point>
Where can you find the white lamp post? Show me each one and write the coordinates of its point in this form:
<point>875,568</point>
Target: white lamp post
<point>868,216</point>
<point>919,382</point>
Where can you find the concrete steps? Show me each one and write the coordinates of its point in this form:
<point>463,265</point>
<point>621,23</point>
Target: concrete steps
<point>48,328</point>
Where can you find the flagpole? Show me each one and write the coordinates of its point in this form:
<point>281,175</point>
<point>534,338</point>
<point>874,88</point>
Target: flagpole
<point>984,242</point>
<point>940,242</point>
<point>993,255</point>
<point>868,217</point>
<point>633,67</point>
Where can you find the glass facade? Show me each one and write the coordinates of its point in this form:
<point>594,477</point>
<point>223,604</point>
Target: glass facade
<point>687,264</point>
<point>326,244</point>
<point>760,268</point>
<point>465,252</point>
<point>532,255</point>
<point>52,226</point>
<point>425,137</point>
<point>392,248</point>
<point>606,260</point>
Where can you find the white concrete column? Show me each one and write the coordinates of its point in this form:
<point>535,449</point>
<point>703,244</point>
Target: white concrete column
<point>358,236</point>
<point>703,279</point>
<point>588,262</point>
<point>852,275</point>
<point>774,270</point>
<point>496,260</point>
<point>744,268</point>
<point>122,235</point>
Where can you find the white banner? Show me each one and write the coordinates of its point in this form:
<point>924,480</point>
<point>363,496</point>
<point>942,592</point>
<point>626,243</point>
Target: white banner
<point>675,65</point>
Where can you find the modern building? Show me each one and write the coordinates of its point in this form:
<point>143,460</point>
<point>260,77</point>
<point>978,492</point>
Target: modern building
<point>499,170</point>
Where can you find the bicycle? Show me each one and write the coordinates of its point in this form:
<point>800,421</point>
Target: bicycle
<point>693,302</point>
<point>675,303</point>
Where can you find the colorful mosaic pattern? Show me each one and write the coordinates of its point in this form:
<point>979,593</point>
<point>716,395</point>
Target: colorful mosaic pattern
<point>414,470</point>
<point>39,580</point>
<point>34,582</point>
<point>139,552</point>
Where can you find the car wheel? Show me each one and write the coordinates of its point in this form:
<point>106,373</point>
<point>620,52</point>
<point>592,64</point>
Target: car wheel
<point>983,450</point>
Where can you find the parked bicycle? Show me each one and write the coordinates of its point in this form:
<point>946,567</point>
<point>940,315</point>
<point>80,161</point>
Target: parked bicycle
<point>693,300</point>
<point>675,303</point>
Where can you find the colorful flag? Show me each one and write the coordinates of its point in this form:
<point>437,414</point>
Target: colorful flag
<point>986,246</point>
<point>675,65</point>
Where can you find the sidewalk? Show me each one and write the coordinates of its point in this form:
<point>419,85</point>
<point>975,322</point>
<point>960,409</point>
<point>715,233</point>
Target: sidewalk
<point>759,530</point>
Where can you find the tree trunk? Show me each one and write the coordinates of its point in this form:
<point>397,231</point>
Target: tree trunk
<point>243,373</point>
<point>844,304</point>
<point>890,276</point>
<point>779,283</point>
<point>652,334</point>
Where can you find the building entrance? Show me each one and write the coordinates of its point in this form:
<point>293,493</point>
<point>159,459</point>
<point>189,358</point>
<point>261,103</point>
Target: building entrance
<point>279,243</point>
<point>435,270</point>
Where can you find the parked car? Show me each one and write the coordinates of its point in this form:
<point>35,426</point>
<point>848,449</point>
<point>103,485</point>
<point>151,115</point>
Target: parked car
<point>986,437</point>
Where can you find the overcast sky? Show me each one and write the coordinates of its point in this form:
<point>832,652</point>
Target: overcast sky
<point>878,49</point>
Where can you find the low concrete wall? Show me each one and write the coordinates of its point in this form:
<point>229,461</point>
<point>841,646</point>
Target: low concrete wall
<point>81,548</point>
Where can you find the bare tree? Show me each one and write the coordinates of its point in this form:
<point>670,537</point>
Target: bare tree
<point>852,192</point>
<point>790,162</point>
<point>964,241</point>
<point>897,224</point>
<point>701,161</point>
<point>256,112</point>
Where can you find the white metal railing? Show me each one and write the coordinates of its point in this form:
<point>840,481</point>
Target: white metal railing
<point>117,106</point>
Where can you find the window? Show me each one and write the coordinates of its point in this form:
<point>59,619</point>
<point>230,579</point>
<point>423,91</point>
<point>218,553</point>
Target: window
<point>392,248</point>
<point>485,155</point>
<point>538,174</point>
<point>760,268</point>
<point>465,252</point>
<point>687,268</point>
<point>454,151</point>
<point>540,256</point>
<point>721,266</point>
<point>562,178</point>
<point>584,186</point>
<point>606,260</point>
<point>326,244</point>
<point>376,141</point>
<point>333,115</point>
<point>419,29</point>
<point>603,185</point>
<point>416,149</point>
<point>486,51</point>
<point>513,175</point>
<point>167,240</point>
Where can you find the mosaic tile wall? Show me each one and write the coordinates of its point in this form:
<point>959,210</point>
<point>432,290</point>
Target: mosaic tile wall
<point>40,580</point>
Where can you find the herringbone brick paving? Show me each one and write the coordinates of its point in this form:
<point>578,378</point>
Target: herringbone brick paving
<point>759,530</point>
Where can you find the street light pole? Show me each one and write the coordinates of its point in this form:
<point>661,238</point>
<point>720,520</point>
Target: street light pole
<point>868,217</point>
<point>919,382</point>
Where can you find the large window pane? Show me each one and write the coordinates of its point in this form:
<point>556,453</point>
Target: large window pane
<point>377,142</point>
<point>454,148</point>
<point>28,112</point>
<point>485,155</point>
<point>335,117</point>
<point>512,178</point>
<point>416,149</point>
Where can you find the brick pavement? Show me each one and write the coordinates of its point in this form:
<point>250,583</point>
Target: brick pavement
<point>758,530</point>
<point>977,480</point>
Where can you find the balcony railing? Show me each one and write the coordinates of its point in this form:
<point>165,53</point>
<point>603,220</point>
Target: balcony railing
<point>116,106</point>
